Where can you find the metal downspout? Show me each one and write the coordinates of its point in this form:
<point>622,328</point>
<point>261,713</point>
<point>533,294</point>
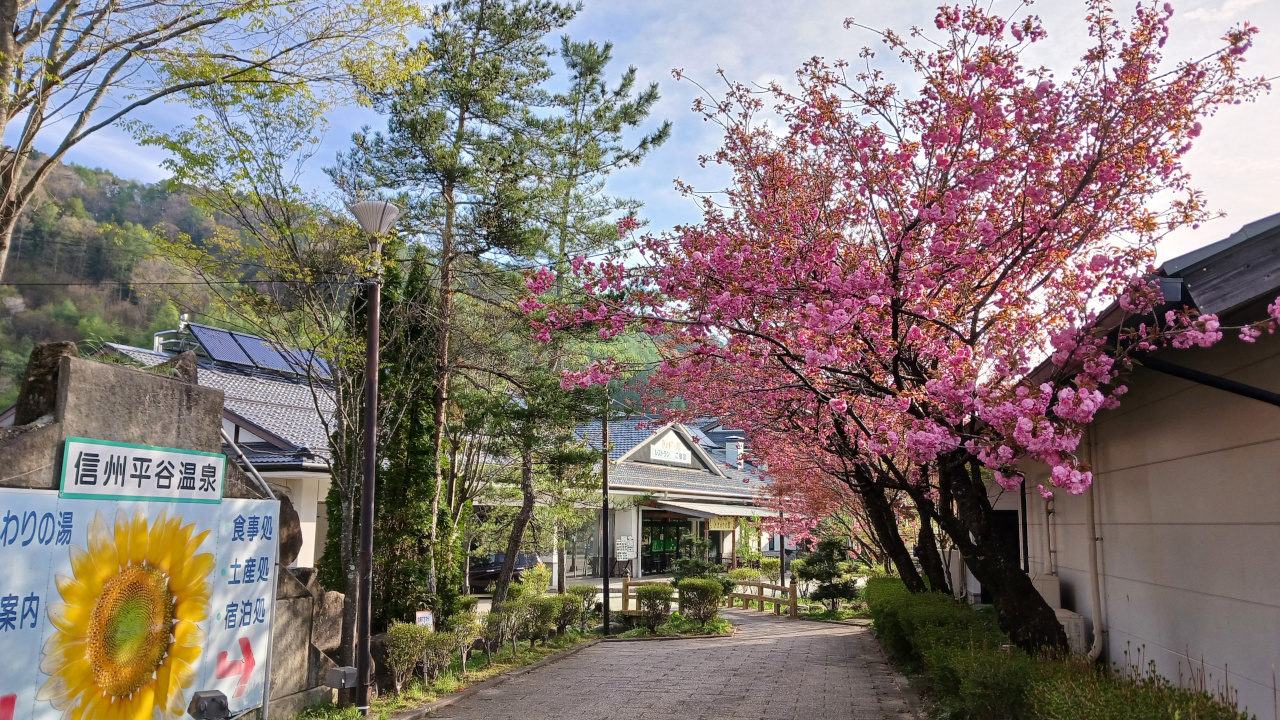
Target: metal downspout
<point>1099,630</point>
<point>275,577</point>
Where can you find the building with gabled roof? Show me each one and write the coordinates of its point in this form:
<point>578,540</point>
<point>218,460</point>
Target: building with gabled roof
<point>682,483</point>
<point>272,410</point>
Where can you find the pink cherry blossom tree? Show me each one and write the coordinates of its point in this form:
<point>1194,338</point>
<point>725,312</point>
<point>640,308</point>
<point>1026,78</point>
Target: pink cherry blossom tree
<point>888,265</point>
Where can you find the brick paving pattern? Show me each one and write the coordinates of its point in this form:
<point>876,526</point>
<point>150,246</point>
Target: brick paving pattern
<point>773,669</point>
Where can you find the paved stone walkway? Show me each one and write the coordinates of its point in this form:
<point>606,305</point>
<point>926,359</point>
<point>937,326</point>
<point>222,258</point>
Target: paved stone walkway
<point>772,669</point>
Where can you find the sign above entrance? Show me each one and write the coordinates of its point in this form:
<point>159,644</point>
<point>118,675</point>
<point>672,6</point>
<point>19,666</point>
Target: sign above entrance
<point>103,470</point>
<point>670,449</point>
<point>722,523</point>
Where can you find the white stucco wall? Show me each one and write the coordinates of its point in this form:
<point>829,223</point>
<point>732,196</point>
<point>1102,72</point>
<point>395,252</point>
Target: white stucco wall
<point>307,491</point>
<point>1188,493</point>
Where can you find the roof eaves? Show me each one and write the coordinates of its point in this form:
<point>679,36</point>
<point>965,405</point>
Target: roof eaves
<point>1172,267</point>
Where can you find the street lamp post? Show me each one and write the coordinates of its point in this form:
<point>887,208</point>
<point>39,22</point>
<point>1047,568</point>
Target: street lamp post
<point>604,516</point>
<point>375,218</point>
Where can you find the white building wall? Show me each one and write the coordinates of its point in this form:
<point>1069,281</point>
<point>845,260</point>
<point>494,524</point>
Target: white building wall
<point>1188,497</point>
<point>306,491</point>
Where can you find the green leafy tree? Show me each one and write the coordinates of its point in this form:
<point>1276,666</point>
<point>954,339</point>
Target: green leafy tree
<point>69,69</point>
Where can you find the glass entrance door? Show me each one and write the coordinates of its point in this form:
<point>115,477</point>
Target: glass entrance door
<point>661,544</point>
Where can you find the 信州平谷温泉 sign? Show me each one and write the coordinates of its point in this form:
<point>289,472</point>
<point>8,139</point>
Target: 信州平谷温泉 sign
<point>120,471</point>
<point>124,607</point>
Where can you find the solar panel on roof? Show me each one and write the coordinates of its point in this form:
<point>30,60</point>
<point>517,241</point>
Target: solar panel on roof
<point>305,362</point>
<point>219,344</point>
<point>262,354</point>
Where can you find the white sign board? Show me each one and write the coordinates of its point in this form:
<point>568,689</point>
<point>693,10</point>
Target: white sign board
<point>427,618</point>
<point>132,605</point>
<point>119,471</point>
<point>670,449</point>
<point>625,547</point>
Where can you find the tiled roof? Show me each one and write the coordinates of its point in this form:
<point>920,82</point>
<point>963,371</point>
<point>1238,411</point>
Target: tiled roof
<point>266,456</point>
<point>146,358</point>
<point>283,405</point>
<point>626,433</point>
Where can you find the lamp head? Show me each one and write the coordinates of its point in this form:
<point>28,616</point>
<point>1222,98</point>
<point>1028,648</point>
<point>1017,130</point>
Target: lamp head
<point>375,216</point>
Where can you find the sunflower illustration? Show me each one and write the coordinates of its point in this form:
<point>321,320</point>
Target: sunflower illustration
<point>126,639</point>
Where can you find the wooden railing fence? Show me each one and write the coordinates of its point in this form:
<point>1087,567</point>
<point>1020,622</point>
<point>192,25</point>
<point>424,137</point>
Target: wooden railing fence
<point>782,596</point>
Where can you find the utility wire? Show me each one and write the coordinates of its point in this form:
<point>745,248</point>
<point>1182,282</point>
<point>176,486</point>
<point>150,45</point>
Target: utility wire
<point>211,282</point>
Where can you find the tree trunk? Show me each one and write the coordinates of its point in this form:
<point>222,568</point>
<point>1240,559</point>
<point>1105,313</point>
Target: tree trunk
<point>935,570</point>
<point>440,398</point>
<point>560,556</point>
<point>884,524</point>
<point>351,599</point>
<point>963,513</point>
<point>518,527</point>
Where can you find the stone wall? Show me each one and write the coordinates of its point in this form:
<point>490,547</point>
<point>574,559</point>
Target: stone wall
<point>67,396</point>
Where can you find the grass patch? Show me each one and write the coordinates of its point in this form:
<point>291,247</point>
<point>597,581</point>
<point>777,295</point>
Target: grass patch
<point>680,626</point>
<point>856,610</point>
<point>478,670</point>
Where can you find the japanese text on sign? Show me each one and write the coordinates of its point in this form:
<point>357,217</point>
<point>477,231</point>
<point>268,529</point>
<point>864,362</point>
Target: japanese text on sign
<point>106,470</point>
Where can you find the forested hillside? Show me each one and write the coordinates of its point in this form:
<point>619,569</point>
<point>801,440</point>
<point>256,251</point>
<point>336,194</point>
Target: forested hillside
<point>83,267</point>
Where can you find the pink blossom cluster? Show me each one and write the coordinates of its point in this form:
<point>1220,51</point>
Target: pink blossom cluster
<point>912,293</point>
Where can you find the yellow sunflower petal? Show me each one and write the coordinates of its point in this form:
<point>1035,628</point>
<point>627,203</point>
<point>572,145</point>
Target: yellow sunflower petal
<point>70,619</point>
<point>144,702</point>
<point>121,532</point>
<point>106,559</point>
<point>60,689</point>
<point>188,634</point>
<point>75,591</point>
<point>139,539</point>
<point>62,656</point>
<point>155,538</point>
<point>82,567</point>
<point>191,573</point>
<point>195,608</point>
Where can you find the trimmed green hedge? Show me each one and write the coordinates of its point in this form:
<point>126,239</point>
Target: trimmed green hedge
<point>974,672</point>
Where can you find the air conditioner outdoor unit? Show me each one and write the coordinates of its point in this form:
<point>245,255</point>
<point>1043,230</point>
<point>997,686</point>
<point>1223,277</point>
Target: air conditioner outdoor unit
<point>1073,624</point>
<point>1049,588</point>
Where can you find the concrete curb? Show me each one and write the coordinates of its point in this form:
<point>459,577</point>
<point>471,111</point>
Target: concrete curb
<point>853,622</point>
<point>425,711</point>
<point>909,693</point>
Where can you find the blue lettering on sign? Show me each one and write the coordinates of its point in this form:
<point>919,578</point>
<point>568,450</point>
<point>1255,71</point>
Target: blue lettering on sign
<point>30,527</point>
<point>19,613</point>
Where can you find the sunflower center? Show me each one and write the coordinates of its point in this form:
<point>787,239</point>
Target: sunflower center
<point>130,627</point>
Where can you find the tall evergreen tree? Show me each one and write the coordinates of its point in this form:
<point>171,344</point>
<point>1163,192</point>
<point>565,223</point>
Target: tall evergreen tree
<point>458,147</point>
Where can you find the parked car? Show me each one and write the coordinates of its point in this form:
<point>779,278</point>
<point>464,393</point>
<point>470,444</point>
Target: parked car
<point>485,570</point>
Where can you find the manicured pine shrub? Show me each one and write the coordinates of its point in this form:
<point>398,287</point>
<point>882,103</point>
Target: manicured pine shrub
<point>655,604</point>
<point>585,595</point>
<point>700,599</point>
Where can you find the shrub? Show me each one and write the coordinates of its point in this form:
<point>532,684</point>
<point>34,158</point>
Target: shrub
<point>655,604</point>
<point>772,569</point>
<point>494,632</point>
<point>700,599</point>
<point>535,581</point>
<point>467,629</point>
<point>744,575</point>
<point>405,642</point>
<point>437,652</point>
<point>829,566</point>
<point>511,619</point>
<point>540,618</point>
<point>976,673</point>
<point>567,611</point>
<point>1079,691</point>
<point>586,597</point>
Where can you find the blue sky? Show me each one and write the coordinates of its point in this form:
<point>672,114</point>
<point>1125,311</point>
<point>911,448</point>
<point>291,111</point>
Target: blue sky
<point>1237,161</point>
